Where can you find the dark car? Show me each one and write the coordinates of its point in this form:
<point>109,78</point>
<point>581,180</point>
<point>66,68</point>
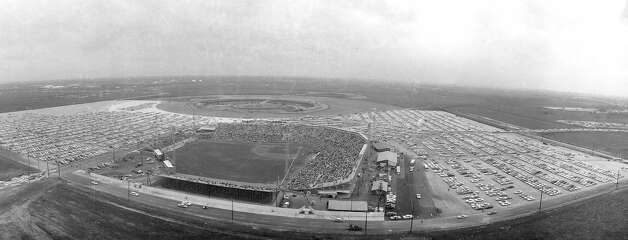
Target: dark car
<point>353,227</point>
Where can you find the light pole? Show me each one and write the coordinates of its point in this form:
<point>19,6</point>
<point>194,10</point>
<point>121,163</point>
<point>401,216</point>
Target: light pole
<point>412,219</point>
<point>366,215</point>
<point>541,200</point>
<point>617,180</point>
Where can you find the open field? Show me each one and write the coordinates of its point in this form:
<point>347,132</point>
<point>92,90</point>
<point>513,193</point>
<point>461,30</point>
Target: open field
<point>253,163</point>
<point>10,169</point>
<point>53,210</point>
<point>611,143</point>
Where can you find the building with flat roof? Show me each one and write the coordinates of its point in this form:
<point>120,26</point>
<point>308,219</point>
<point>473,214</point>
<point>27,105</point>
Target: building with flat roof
<point>380,147</point>
<point>379,186</point>
<point>349,206</point>
<point>387,157</point>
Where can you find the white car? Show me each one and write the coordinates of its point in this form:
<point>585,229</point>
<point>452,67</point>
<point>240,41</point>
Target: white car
<point>338,220</point>
<point>184,204</point>
<point>418,196</point>
<point>461,216</point>
<point>407,216</point>
<point>134,194</point>
<point>94,183</point>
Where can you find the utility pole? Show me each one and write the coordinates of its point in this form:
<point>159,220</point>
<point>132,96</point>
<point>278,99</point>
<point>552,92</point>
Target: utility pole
<point>174,148</point>
<point>93,190</point>
<point>366,216</point>
<point>128,190</point>
<point>58,168</point>
<point>47,169</point>
<point>541,200</point>
<point>412,219</point>
<point>617,180</point>
<point>28,168</point>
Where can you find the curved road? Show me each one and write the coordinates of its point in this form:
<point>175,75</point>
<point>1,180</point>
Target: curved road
<point>314,225</point>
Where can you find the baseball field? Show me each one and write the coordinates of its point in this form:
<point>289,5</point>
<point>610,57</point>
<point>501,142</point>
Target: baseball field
<point>243,162</point>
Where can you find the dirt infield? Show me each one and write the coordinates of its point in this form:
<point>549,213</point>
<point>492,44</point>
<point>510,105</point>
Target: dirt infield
<point>274,106</point>
<point>253,163</point>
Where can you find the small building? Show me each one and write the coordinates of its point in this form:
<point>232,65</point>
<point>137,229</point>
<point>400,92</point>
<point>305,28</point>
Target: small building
<point>328,193</point>
<point>387,157</point>
<point>379,186</point>
<point>159,155</point>
<point>206,130</point>
<point>380,147</point>
<point>349,206</point>
<point>168,164</point>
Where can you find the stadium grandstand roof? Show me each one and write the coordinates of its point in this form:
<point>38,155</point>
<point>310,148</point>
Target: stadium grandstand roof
<point>388,156</point>
<point>350,206</point>
<point>207,128</point>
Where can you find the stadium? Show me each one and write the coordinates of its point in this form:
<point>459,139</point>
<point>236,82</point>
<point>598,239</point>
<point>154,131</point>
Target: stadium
<point>257,160</point>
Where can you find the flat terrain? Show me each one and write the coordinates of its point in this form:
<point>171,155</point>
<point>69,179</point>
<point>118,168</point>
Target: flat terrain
<point>611,143</point>
<point>253,163</point>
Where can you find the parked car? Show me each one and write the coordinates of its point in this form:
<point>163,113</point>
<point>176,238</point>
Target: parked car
<point>353,227</point>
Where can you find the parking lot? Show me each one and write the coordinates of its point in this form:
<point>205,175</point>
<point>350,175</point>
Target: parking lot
<point>484,169</point>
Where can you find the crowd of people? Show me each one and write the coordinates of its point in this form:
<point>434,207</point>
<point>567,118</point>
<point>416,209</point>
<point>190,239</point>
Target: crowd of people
<point>336,151</point>
<point>229,184</point>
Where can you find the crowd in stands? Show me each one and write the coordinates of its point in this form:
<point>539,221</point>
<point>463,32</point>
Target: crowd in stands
<point>336,151</point>
<point>230,184</point>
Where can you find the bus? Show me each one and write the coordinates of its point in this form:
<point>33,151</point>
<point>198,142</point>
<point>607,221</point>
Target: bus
<point>398,169</point>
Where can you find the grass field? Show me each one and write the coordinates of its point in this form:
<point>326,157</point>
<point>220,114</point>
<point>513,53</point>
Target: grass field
<point>54,210</point>
<point>10,169</point>
<point>253,163</point>
<point>611,143</point>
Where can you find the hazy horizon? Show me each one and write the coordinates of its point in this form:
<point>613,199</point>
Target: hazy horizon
<point>562,46</point>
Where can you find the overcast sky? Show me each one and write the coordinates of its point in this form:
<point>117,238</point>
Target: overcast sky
<point>564,45</point>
